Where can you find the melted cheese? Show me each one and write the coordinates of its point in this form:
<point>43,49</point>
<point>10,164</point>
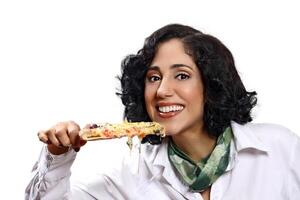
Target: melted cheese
<point>129,129</point>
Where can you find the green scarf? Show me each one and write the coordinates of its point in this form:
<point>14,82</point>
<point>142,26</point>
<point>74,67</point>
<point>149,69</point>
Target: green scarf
<point>199,176</point>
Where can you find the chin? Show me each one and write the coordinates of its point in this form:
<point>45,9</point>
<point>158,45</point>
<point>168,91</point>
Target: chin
<point>171,130</point>
<point>172,127</point>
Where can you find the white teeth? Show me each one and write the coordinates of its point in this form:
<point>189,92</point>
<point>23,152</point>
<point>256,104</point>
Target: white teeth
<point>170,108</point>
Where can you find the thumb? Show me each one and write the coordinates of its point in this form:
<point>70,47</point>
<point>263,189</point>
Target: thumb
<point>82,142</point>
<point>79,142</point>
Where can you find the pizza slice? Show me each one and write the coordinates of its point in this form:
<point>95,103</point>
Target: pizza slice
<point>126,129</point>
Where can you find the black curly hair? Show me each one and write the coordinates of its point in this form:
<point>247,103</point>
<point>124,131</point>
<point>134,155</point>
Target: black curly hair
<point>226,98</point>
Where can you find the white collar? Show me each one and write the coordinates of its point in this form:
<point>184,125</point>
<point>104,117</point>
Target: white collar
<point>245,138</point>
<point>162,166</point>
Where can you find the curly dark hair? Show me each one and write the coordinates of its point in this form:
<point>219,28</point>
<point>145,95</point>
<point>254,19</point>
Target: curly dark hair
<point>225,96</point>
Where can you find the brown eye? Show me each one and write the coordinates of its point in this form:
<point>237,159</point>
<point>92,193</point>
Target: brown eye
<point>182,76</point>
<point>153,78</point>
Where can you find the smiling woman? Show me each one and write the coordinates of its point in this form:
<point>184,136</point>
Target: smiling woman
<point>174,96</point>
<point>173,87</point>
<point>187,82</point>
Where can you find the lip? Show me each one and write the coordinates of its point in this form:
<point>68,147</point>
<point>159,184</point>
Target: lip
<point>169,114</point>
<point>168,104</point>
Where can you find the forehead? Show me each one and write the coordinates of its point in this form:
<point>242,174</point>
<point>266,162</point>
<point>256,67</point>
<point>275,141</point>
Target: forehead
<point>171,52</point>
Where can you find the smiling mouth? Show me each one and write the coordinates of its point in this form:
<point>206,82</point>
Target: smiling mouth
<point>169,111</point>
<point>166,109</point>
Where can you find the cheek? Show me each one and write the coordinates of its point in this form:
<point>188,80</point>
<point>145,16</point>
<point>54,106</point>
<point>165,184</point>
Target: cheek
<point>149,95</point>
<point>192,93</point>
<point>194,96</point>
<point>146,96</point>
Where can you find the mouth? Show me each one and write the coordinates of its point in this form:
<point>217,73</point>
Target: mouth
<point>168,111</point>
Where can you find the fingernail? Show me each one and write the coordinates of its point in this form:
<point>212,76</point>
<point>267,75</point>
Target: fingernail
<point>76,149</point>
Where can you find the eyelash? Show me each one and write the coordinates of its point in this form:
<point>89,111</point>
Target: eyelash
<point>150,78</point>
<point>180,76</point>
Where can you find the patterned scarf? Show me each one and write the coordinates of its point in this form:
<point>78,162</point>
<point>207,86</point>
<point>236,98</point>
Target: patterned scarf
<point>199,176</point>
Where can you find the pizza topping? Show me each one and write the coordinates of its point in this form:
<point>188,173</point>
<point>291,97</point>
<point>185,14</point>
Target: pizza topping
<point>129,129</point>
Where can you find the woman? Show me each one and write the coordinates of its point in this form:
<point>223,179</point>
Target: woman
<point>186,81</point>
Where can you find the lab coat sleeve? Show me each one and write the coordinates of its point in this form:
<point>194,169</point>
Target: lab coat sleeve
<point>50,177</point>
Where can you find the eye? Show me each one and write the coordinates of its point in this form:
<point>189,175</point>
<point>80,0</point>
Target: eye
<point>182,76</point>
<point>153,78</point>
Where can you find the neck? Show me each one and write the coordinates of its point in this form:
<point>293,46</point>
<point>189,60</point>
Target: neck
<point>196,144</point>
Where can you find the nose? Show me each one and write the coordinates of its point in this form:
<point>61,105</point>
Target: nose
<point>165,89</point>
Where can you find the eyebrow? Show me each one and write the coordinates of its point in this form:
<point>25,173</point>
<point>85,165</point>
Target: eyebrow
<point>172,67</point>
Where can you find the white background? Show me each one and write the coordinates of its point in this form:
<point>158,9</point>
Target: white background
<point>59,59</point>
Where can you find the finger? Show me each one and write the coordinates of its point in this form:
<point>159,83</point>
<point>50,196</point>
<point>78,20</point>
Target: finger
<point>73,131</point>
<point>43,137</point>
<point>75,139</point>
<point>82,142</point>
<point>62,135</point>
<point>52,137</point>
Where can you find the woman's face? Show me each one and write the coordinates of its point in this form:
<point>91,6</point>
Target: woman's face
<point>174,89</point>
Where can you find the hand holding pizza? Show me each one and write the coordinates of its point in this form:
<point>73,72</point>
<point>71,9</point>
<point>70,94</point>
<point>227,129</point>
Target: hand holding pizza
<point>65,135</point>
<point>62,136</point>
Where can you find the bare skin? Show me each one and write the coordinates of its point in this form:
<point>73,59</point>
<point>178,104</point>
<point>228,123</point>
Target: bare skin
<point>197,145</point>
<point>206,194</point>
<point>61,137</point>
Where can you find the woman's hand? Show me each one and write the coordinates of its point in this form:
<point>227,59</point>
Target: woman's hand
<point>61,137</point>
